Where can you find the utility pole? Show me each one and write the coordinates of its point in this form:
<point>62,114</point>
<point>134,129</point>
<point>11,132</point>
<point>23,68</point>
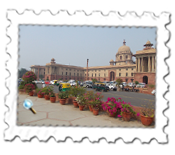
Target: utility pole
<point>87,70</point>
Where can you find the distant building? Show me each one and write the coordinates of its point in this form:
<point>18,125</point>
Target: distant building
<point>143,70</point>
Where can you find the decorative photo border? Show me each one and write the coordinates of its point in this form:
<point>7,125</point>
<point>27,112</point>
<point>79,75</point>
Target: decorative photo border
<point>98,19</point>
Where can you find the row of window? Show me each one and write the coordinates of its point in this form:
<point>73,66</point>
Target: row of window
<point>125,57</point>
<point>105,70</point>
<point>132,74</point>
<point>70,74</point>
<point>69,78</point>
<point>70,69</point>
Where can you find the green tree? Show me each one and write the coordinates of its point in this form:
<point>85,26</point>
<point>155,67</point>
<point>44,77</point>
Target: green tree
<point>21,72</point>
<point>94,80</point>
<point>136,82</point>
<point>119,81</point>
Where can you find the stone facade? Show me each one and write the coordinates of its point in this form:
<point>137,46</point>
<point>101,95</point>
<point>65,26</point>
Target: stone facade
<point>123,67</point>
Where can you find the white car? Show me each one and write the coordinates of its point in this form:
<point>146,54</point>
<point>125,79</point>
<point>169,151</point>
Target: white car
<point>123,83</point>
<point>107,83</point>
<point>140,85</point>
<point>35,81</point>
<point>73,83</point>
<point>52,82</point>
<point>112,87</point>
<point>131,84</point>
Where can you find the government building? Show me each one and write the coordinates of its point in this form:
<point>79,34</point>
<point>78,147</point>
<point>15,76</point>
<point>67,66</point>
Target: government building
<point>123,67</point>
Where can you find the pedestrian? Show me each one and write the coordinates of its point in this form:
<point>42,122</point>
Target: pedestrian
<point>153,92</point>
<point>132,87</point>
<point>44,85</point>
<point>122,87</point>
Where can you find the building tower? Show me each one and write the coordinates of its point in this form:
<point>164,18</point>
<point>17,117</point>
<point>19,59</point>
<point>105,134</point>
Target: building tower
<point>146,64</point>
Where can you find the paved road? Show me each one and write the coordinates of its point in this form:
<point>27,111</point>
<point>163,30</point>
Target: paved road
<point>136,99</point>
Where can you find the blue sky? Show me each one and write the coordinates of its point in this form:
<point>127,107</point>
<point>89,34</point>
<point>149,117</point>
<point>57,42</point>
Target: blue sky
<point>74,45</point>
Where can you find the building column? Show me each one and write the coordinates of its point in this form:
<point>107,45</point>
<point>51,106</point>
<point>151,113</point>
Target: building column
<point>148,63</point>
<point>138,64</point>
<point>142,67</point>
<point>153,63</point>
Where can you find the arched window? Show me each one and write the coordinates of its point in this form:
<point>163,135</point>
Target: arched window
<point>126,57</point>
<point>120,57</point>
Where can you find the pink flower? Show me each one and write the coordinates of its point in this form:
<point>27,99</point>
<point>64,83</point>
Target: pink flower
<point>119,116</point>
<point>138,114</point>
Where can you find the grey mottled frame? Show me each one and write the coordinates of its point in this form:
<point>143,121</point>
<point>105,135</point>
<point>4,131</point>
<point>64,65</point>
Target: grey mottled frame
<point>51,142</point>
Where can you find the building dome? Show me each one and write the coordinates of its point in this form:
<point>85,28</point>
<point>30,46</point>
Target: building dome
<point>124,55</point>
<point>111,60</point>
<point>52,59</point>
<point>124,49</point>
<point>148,42</point>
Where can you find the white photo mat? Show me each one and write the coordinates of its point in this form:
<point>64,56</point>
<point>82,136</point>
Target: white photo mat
<point>80,18</point>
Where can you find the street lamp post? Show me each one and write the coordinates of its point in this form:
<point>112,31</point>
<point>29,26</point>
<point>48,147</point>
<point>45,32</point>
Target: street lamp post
<point>87,70</point>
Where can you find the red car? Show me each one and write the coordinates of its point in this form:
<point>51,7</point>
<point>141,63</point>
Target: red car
<point>47,82</point>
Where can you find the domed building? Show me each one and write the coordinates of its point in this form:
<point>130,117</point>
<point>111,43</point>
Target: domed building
<point>123,67</point>
<point>124,55</point>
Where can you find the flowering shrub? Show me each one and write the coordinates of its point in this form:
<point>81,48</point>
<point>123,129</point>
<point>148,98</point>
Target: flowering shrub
<point>89,96</point>
<point>29,87</point>
<point>62,95</point>
<point>95,100</point>
<point>75,91</point>
<point>47,90</point>
<point>29,77</point>
<point>112,105</point>
<point>52,94</point>
<point>127,107</point>
<point>39,91</point>
<point>81,99</point>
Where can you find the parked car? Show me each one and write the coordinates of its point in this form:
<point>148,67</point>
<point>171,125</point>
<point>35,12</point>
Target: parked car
<point>70,81</point>
<point>112,87</point>
<point>87,85</point>
<point>107,83</point>
<point>42,82</point>
<point>102,87</point>
<point>35,81</point>
<point>47,82</point>
<point>73,83</point>
<point>19,81</point>
<point>52,82</point>
<point>81,83</point>
<point>123,84</point>
<point>131,84</point>
<point>140,85</point>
